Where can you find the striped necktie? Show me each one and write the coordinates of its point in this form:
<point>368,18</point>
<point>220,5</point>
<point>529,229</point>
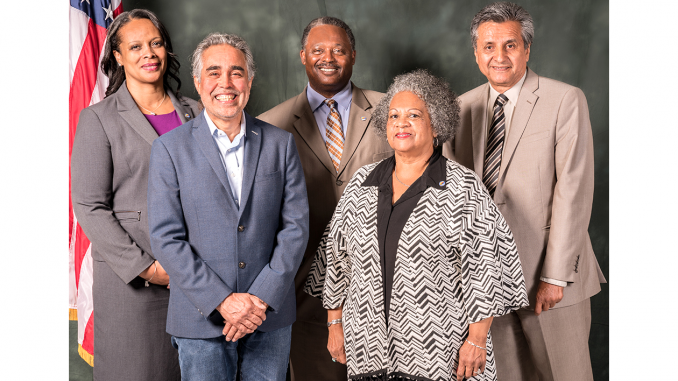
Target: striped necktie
<point>335,138</point>
<point>495,144</point>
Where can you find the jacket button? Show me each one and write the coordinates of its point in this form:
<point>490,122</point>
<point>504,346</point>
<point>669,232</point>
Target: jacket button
<point>241,265</point>
<point>339,182</point>
<point>241,228</point>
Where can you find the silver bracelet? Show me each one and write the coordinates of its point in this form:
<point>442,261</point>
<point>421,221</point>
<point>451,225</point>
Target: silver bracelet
<point>154,271</point>
<point>477,346</point>
<point>335,321</point>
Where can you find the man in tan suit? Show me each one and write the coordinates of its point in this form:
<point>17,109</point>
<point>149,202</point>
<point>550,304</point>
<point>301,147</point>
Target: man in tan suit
<point>529,139</point>
<point>330,121</point>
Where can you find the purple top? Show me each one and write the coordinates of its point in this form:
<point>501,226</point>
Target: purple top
<point>164,123</point>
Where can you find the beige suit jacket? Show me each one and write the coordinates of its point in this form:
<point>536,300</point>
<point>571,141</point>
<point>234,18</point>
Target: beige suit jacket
<point>323,183</point>
<point>545,188</point>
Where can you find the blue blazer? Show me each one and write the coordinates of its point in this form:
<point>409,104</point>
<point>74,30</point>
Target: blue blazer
<point>208,245</point>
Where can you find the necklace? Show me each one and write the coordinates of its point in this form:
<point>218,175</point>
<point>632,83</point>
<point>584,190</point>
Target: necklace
<point>153,112</point>
<point>396,175</point>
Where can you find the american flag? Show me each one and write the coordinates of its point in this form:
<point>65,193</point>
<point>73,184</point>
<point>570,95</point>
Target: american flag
<point>88,21</point>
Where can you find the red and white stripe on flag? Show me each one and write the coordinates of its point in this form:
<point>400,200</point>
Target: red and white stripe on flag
<point>88,21</point>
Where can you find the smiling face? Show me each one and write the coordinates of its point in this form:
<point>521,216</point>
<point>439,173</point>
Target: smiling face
<point>408,128</point>
<point>223,85</point>
<point>328,58</point>
<point>501,53</point>
<point>141,53</point>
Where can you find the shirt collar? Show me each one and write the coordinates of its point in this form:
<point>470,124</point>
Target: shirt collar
<point>512,93</point>
<point>214,130</point>
<point>343,97</point>
<point>434,174</point>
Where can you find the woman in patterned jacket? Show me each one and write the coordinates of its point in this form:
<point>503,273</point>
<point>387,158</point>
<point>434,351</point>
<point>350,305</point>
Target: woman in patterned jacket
<point>417,259</point>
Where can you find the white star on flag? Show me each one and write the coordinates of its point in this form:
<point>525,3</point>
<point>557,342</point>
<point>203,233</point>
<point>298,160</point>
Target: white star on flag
<point>109,12</point>
<point>82,1</point>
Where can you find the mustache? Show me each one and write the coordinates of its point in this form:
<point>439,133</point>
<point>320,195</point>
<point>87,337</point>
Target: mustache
<point>327,65</point>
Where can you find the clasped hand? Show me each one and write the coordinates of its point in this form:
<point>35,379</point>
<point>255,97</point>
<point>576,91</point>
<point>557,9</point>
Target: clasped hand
<point>243,313</point>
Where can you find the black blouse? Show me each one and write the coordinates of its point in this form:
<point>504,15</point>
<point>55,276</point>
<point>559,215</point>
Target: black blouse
<point>391,218</point>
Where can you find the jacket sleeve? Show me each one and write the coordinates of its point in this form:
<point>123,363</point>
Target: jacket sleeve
<point>272,283</point>
<point>573,192</point>
<point>169,239</point>
<point>92,197</point>
<point>492,279</point>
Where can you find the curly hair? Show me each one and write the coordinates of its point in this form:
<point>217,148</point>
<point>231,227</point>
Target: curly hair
<point>441,103</point>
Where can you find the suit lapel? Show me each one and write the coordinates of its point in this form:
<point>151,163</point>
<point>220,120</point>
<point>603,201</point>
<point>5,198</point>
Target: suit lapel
<point>251,158</point>
<point>479,121</point>
<point>182,110</point>
<point>308,130</point>
<point>521,115</point>
<point>201,133</point>
<point>358,120</point>
<point>130,113</point>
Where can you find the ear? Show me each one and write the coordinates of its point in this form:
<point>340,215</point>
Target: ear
<point>527,53</point>
<point>249,84</point>
<point>196,83</point>
<point>118,56</point>
<point>353,57</point>
<point>302,55</point>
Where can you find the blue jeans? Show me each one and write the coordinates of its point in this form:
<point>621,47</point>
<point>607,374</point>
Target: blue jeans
<point>259,356</point>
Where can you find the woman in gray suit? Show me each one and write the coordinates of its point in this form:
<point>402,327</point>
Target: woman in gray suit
<point>109,179</point>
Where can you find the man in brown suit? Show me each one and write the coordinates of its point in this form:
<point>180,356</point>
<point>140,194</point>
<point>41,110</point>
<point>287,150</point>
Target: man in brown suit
<point>529,138</point>
<point>330,122</point>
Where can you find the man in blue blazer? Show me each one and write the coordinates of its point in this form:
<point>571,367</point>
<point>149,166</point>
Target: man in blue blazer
<point>228,219</point>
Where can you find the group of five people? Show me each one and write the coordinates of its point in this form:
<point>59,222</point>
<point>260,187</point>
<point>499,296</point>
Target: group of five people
<point>412,235</point>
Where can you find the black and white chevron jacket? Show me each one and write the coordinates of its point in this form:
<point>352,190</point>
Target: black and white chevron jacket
<point>456,264</point>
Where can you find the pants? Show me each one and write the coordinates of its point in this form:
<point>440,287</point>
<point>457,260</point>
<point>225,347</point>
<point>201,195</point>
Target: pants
<point>309,358</point>
<point>259,356</point>
<point>551,346</point>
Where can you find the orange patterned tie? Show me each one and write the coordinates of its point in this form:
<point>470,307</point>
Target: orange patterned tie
<point>335,138</point>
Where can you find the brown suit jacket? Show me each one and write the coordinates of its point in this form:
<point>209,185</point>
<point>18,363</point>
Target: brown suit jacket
<point>545,188</point>
<point>323,183</point>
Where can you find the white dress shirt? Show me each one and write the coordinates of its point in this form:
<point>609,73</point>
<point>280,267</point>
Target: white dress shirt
<point>232,154</point>
<point>512,95</point>
<point>321,110</point>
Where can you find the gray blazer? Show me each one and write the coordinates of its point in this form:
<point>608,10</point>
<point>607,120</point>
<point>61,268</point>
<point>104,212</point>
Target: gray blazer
<point>109,178</point>
<point>212,247</point>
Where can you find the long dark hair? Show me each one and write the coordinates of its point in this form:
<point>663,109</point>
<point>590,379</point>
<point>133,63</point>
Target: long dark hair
<point>116,73</point>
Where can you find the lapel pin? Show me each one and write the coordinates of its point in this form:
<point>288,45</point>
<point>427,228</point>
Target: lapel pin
<point>442,183</point>
<point>187,116</point>
<point>255,133</point>
<point>363,118</point>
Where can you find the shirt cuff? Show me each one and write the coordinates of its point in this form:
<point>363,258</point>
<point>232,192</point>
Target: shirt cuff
<point>554,282</point>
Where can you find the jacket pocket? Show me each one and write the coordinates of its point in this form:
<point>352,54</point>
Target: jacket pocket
<point>266,176</point>
<point>537,136</point>
<point>127,215</point>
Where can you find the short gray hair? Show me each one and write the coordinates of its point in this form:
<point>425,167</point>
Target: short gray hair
<point>327,20</point>
<point>441,103</point>
<point>214,39</point>
<point>501,12</point>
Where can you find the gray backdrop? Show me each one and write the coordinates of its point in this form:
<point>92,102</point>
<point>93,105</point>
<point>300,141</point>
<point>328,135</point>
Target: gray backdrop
<point>571,44</point>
